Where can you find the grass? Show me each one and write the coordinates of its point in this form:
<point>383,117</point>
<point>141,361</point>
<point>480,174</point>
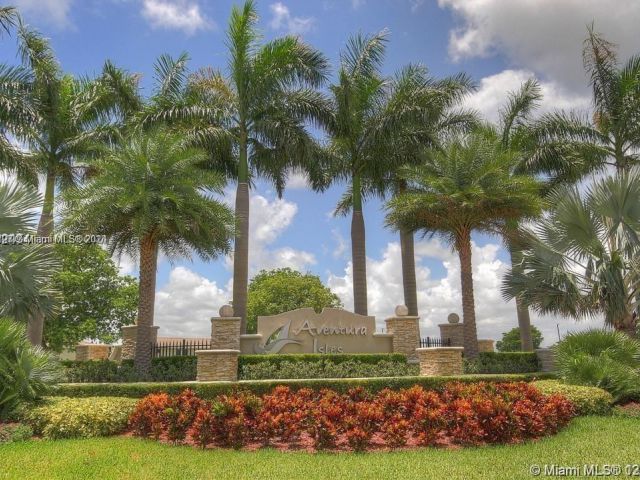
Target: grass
<point>588,440</point>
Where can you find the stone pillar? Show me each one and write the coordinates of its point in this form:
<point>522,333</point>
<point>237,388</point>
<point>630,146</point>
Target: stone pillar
<point>129,339</point>
<point>217,365</point>
<point>89,351</point>
<point>440,361</point>
<point>225,333</point>
<point>453,331</point>
<point>546,359</point>
<point>485,346</point>
<point>405,331</point>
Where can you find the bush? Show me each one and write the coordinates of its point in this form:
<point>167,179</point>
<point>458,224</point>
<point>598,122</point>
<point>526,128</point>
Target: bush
<point>503,362</point>
<point>15,432</point>
<point>601,358</point>
<point>326,369</point>
<point>337,358</point>
<point>163,369</point>
<point>462,414</point>
<point>26,372</point>
<point>587,400</point>
<point>80,417</point>
<point>209,390</point>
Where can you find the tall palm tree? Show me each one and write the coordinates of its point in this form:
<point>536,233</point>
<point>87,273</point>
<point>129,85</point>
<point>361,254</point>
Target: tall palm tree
<point>25,269</point>
<point>378,124</point>
<point>573,145</point>
<point>467,186</point>
<point>515,130</point>
<point>149,196</point>
<point>582,259</point>
<point>266,100</point>
<point>66,118</point>
<point>8,18</point>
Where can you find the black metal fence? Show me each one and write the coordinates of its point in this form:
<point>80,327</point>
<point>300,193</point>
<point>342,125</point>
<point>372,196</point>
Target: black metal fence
<point>179,348</point>
<point>434,342</point>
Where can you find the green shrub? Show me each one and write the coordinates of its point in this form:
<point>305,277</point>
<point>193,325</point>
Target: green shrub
<point>631,410</point>
<point>174,369</point>
<point>15,432</point>
<point>258,387</point>
<point>588,400</point>
<point>503,362</point>
<point>601,358</point>
<point>326,369</point>
<point>369,358</point>
<point>26,372</point>
<point>80,417</point>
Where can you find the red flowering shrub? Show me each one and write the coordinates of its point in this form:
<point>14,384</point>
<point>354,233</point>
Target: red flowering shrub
<point>463,414</point>
<point>149,416</point>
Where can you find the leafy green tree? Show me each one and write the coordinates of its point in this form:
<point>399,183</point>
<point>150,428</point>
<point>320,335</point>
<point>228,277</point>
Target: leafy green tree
<point>284,289</point>
<point>583,258</point>
<point>61,120</point>
<point>469,185</point>
<point>511,341</point>
<point>95,301</point>
<point>256,116</point>
<point>150,196</point>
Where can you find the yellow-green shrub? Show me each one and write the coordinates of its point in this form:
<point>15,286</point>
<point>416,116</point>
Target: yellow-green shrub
<point>81,417</point>
<point>587,400</point>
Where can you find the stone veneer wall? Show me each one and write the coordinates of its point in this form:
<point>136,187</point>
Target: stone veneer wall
<point>440,361</point>
<point>86,352</point>
<point>485,346</point>
<point>225,333</point>
<point>406,335</point>
<point>454,332</point>
<point>546,359</point>
<point>217,365</point>
<point>129,339</point>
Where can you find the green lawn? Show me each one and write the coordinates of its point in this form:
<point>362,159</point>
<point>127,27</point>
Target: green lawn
<point>602,440</point>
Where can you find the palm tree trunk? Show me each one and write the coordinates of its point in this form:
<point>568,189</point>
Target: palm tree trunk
<point>241,245</point>
<point>358,251</point>
<point>409,272</point>
<point>241,255</point>
<point>463,245</point>
<point>524,320</point>
<point>408,258</point>
<point>35,323</point>
<point>147,290</point>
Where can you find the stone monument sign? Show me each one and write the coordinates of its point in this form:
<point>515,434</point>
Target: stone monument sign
<point>332,331</point>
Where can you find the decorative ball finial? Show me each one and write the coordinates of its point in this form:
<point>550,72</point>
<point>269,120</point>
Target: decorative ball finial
<point>402,311</point>
<point>453,318</point>
<point>226,311</point>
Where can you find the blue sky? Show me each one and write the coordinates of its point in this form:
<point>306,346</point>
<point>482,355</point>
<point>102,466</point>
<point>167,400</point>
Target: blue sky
<point>500,43</point>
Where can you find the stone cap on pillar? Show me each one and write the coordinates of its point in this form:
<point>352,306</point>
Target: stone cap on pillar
<point>440,349</point>
<point>217,352</point>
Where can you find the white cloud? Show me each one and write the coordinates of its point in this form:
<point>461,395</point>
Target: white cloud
<point>175,15</point>
<point>281,19</point>
<point>298,181</point>
<point>492,94</point>
<point>356,4</point>
<point>543,35</point>
<point>55,12</point>
<point>184,305</point>
<point>437,297</point>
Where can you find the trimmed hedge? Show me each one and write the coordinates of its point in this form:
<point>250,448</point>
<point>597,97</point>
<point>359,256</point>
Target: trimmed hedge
<point>80,417</point>
<point>503,362</point>
<point>211,389</point>
<point>337,358</point>
<point>587,400</point>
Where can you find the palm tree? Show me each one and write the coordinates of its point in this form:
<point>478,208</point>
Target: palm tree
<point>8,18</point>
<point>581,260</point>
<point>151,196</point>
<point>25,269</point>
<point>466,186</point>
<point>378,124</point>
<point>515,130</point>
<point>258,115</point>
<point>64,121</point>
<point>573,145</point>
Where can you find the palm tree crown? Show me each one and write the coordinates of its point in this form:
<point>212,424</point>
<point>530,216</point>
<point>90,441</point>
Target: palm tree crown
<point>467,186</point>
<point>151,196</point>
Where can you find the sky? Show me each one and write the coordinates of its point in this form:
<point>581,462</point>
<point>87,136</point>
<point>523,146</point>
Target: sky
<point>500,43</point>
